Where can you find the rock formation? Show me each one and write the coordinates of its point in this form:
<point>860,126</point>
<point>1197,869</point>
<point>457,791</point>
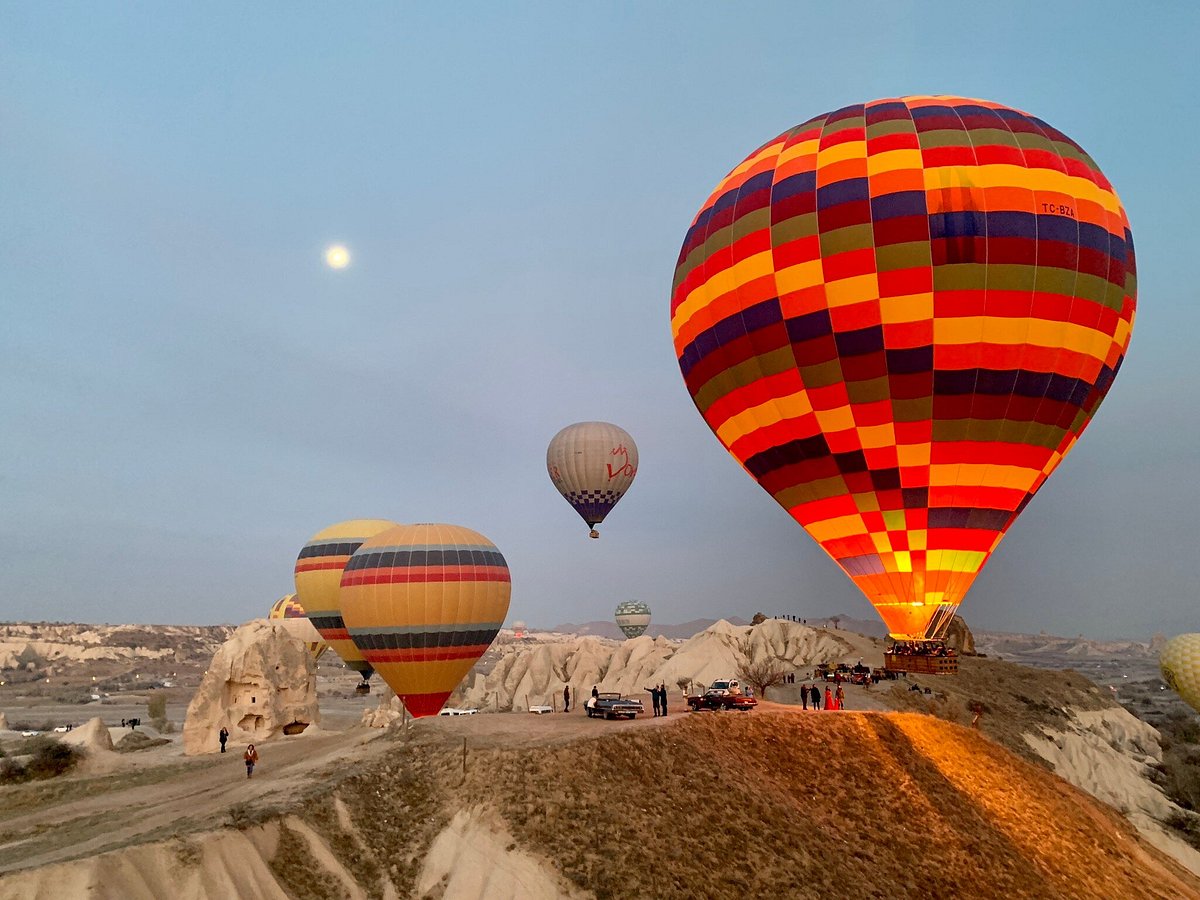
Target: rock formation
<point>261,684</point>
<point>959,637</point>
<point>92,735</point>
<point>532,675</point>
<point>3,722</point>
<point>388,712</point>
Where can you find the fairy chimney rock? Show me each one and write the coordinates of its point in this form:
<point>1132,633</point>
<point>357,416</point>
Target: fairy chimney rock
<point>261,684</point>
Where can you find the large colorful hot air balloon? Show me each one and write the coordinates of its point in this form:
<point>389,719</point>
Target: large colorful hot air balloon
<point>319,577</point>
<point>291,616</point>
<point>632,617</point>
<point>1180,664</point>
<point>423,603</point>
<point>592,464</point>
<point>899,317</point>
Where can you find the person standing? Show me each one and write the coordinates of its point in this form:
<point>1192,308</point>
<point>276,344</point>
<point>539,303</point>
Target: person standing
<point>566,698</point>
<point>804,694</point>
<point>662,697</point>
<point>250,757</point>
<point>840,698</point>
<point>816,697</point>
<point>828,699</point>
<point>595,692</point>
<point>223,737</point>
<point>654,698</point>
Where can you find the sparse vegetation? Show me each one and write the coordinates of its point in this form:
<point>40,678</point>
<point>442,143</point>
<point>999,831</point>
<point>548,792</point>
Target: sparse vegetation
<point>50,759</point>
<point>762,673</point>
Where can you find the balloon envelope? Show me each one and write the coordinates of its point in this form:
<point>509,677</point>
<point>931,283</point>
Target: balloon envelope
<point>899,317</point>
<point>423,603</point>
<point>319,577</point>
<point>592,464</point>
<point>1180,664</point>
<point>289,614</point>
<point>633,618</point>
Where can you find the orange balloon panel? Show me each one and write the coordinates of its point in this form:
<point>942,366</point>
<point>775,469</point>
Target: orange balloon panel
<point>899,317</point>
<point>318,576</point>
<point>291,615</point>
<point>423,603</point>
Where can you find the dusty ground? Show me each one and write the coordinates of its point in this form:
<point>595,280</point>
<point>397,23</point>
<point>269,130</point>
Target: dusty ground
<point>794,803</point>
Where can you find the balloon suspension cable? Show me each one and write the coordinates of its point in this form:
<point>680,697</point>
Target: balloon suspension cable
<point>940,622</point>
<point>593,533</point>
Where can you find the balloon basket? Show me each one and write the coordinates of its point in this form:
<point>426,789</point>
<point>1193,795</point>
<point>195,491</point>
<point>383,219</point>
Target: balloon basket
<point>362,688</point>
<point>593,534</point>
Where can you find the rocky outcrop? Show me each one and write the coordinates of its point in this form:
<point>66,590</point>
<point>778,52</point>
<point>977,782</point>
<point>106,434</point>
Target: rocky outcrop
<point>92,736</point>
<point>260,685</point>
<point>389,711</point>
<point>3,722</point>
<point>959,637</point>
<point>533,675</point>
<point>1111,753</point>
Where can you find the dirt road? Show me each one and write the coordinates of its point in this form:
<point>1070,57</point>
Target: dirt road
<point>89,815</point>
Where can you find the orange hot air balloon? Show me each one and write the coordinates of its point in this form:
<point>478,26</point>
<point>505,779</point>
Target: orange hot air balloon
<point>423,603</point>
<point>291,615</point>
<point>899,317</point>
<point>319,576</point>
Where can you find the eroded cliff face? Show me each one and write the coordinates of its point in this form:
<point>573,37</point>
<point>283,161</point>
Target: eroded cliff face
<point>261,684</point>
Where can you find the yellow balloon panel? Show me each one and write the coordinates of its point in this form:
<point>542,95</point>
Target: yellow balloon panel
<point>290,615</point>
<point>318,576</point>
<point>1180,664</point>
<point>423,603</point>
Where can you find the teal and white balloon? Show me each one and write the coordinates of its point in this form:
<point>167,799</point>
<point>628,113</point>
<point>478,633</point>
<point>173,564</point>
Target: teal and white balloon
<point>632,617</point>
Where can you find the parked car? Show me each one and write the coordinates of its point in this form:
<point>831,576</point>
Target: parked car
<point>62,729</point>
<point>541,710</point>
<point>613,706</point>
<point>451,711</point>
<point>725,693</point>
<point>30,733</point>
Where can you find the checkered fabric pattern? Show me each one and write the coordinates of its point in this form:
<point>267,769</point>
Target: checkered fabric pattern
<point>1180,664</point>
<point>593,506</point>
<point>899,317</point>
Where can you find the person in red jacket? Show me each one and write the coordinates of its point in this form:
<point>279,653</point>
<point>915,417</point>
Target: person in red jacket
<point>828,699</point>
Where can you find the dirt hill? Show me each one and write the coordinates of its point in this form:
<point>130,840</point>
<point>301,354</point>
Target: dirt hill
<point>778,803</point>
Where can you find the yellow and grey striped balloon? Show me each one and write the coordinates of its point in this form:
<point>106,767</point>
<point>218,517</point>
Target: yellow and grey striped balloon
<point>319,576</point>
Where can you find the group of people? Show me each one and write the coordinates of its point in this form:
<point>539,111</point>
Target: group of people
<point>835,697</point>
<point>658,694</point>
<point>250,757</point>
<point>920,648</point>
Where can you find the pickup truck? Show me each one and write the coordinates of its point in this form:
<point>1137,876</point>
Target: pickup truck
<point>613,706</point>
<point>724,694</point>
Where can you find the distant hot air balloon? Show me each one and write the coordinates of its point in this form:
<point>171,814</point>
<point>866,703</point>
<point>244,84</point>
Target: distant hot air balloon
<point>592,464</point>
<point>423,603</point>
<point>291,616</point>
<point>899,317</point>
<point>519,629</point>
<point>318,580</point>
<point>1180,664</point>
<point>632,617</point>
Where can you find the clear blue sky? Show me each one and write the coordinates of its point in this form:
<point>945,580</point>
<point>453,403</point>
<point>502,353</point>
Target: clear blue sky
<point>187,393</point>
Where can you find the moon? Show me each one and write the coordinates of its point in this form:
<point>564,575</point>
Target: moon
<point>337,257</point>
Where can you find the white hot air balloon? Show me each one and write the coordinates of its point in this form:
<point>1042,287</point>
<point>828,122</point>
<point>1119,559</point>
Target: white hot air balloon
<point>592,464</point>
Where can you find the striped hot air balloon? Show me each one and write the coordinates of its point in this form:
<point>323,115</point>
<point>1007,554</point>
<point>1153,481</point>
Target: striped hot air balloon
<point>319,577</point>
<point>288,612</point>
<point>423,603</point>
<point>592,464</point>
<point>899,317</point>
